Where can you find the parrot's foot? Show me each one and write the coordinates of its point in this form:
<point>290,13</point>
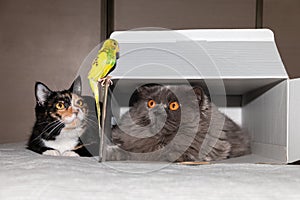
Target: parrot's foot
<point>104,80</point>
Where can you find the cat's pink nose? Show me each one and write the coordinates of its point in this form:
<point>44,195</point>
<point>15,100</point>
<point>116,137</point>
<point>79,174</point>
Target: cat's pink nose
<point>75,111</point>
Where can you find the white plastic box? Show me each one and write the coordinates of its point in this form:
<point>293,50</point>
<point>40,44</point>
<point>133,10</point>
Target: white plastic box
<point>242,70</point>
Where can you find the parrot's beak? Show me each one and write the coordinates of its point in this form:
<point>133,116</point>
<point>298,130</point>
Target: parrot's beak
<point>117,54</point>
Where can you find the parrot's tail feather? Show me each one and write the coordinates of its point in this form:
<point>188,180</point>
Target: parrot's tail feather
<point>95,90</point>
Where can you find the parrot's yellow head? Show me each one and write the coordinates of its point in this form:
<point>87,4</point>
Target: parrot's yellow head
<point>111,44</point>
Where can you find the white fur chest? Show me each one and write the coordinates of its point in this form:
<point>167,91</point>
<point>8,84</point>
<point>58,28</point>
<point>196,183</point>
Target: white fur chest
<point>66,140</point>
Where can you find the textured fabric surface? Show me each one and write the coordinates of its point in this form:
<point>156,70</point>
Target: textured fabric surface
<point>26,175</point>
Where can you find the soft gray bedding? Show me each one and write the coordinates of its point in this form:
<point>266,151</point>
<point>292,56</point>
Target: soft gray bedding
<point>26,175</point>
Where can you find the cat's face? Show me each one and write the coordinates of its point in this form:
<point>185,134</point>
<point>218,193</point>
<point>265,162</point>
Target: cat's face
<point>67,106</point>
<point>164,108</point>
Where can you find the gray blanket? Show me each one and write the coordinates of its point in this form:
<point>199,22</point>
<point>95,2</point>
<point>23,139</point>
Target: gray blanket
<point>27,175</point>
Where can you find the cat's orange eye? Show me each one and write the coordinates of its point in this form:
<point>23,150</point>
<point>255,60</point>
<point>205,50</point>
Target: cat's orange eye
<point>151,103</point>
<point>60,106</point>
<point>80,102</point>
<point>174,106</point>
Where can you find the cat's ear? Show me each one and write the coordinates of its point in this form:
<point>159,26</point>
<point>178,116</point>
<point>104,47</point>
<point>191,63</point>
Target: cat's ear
<point>42,92</point>
<point>201,97</point>
<point>76,86</point>
<point>198,92</point>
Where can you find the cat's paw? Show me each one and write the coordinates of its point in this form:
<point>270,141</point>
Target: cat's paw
<point>208,159</point>
<point>51,153</point>
<point>70,154</point>
<point>115,153</point>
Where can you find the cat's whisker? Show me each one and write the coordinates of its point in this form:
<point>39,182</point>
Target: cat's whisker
<point>93,114</point>
<point>53,124</point>
<point>50,125</point>
<point>40,135</point>
<point>45,122</point>
<point>94,125</point>
<point>89,119</point>
<point>90,111</point>
<point>42,123</point>
<point>91,123</point>
<point>60,125</point>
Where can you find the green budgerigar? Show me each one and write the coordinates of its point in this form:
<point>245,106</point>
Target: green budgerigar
<point>103,64</point>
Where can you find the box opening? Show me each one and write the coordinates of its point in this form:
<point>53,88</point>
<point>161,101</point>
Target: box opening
<point>242,97</point>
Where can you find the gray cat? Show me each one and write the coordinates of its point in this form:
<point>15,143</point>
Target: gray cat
<point>175,123</point>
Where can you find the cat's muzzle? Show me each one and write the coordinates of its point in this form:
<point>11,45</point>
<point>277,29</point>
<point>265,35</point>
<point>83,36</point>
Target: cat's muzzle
<point>158,117</point>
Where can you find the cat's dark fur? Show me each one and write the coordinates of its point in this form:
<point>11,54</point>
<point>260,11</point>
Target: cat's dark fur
<point>196,131</point>
<point>64,123</point>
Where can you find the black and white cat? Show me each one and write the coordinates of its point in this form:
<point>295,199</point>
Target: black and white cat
<point>175,123</point>
<point>64,124</point>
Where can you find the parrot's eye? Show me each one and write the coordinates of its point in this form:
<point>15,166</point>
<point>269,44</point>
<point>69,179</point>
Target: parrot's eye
<point>60,106</point>
<point>151,103</point>
<point>79,103</point>
<point>174,106</point>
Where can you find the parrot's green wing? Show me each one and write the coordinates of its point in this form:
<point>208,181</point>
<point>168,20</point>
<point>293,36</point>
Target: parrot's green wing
<point>98,67</point>
<point>109,65</point>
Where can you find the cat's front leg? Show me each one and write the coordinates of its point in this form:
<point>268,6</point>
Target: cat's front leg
<point>115,153</point>
<point>51,152</point>
<point>185,158</point>
<point>214,148</point>
<point>70,154</point>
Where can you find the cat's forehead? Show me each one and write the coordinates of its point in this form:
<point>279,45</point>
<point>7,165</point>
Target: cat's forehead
<point>159,92</point>
<point>62,95</point>
<point>169,93</point>
<point>154,90</point>
<point>171,89</point>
